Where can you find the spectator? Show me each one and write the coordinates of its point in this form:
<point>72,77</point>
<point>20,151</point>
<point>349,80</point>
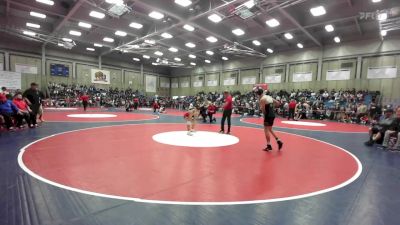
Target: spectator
<point>377,131</point>
<point>9,112</point>
<point>20,103</point>
<point>292,108</point>
<point>211,110</point>
<point>34,99</point>
<point>393,131</point>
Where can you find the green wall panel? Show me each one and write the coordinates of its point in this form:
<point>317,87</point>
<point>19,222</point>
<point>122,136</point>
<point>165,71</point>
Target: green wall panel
<point>133,80</point>
<point>26,79</point>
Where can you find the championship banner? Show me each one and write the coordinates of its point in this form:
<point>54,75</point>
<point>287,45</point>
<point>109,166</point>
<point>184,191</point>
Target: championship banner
<point>263,86</point>
<point>100,76</point>
<point>151,83</point>
<point>10,80</point>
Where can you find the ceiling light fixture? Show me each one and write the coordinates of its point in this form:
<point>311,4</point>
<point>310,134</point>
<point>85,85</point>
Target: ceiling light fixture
<point>90,49</point>
<point>300,45</point>
<point>256,42</point>
<point>151,42</point>
<point>383,33</point>
<point>270,50</point>
<point>207,61</point>
<point>210,52</point>
<point>192,56</point>
<point>288,36</point>
<point>85,25</point>
<point>33,25</point>
<point>67,39</point>
<point>215,18</point>
<point>238,32</point>
<point>29,33</point>
<point>329,28</point>
<point>249,4</point>
<point>272,22</point>
<point>224,58</point>
<point>97,15</point>
<point>318,11</point>
<point>192,63</point>
<point>107,39</point>
<point>177,59</point>
<point>146,56</point>
<point>47,2</point>
<point>136,59</point>
<point>120,33</point>
<point>212,39</point>
<point>60,44</point>
<point>188,27</point>
<point>158,53</point>
<point>190,45</point>
<point>382,16</point>
<point>38,15</point>
<point>136,25</point>
<point>184,3</point>
<point>337,39</point>
<point>75,33</point>
<point>173,49</point>
<point>166,35</point>
<point>98,45</point>
<point>156,15</point>
<point>376,1</point>
<point>116,2</point>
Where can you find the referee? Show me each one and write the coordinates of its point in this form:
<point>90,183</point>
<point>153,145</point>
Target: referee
<point>228,106</point>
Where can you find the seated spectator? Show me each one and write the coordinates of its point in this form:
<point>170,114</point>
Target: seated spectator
<point>211,110</point>
<point>24,109</point>
<point>8,111</point>
<point>393,131</point>
<point>377,131</point>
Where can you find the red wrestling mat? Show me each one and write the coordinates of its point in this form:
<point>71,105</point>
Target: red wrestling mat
<point>76,116</point>
<point>181,113</point>
<point>130,162</point>
<point>313,125</point>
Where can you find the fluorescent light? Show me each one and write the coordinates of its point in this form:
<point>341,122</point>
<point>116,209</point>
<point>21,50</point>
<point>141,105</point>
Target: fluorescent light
<point>158,53</point>
<point>382,16</point>
<point>60,44</point>
<point>34,25</point>
<point>38,15</point>
<point>207,61</point>
<point>288,36</point>
<point>238,32</point>
<point>75,33</point>
<point>136,25</point>
<point>249,4</point>
<point>212,39</point>
<point>96,14</point>
<point>192,63</point>
<point>156,15</point>
<point>136,59</point>
<point>318,11</point>
<point>116,2</point>
<point>375,1</point>
<point>67,39</point>
<point>272,22</point>
<point>190,45</point>
<point>329,28</point>
<point>177,59</point>
<point>188,27</point>
<point>172,49</point>
<point>120,33</point>
<point>270,50</point>
<point>107,39</point>
<point>300,45</point>
<point>154,64</point>
<point>256,42</point>
<point>337,39</point>
<point>184,3</point>
<point>152,42</point>
<point>30,33</point>
<point>146,57</point>
<point>90,49</point>
<point>215,18</point>
<point>47,2</point>
<point>98,45</point>
<point>224,58</point>
<point>166,35</point>
<point>192,56</point>
<point>383,33</point>
<point>210,52</point>
<point>85,25</point>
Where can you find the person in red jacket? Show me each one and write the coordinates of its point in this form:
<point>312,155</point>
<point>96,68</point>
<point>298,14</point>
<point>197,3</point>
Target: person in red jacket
<point>292,108</point>
<point>156,106</point>
<point>20,103</point>
<point>211,110</point>
<point>85,101</point>
<point>228,106</point>
<point>135,103</point>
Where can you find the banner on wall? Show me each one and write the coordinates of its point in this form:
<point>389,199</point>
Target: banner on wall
<point>185,84</point>
<point>175,85</point>
<point>249,80</point>
<point>1,66</point>
<point>29,69</point>
<point>382,72</point>
<point>229,81</point>
<point>100,76</point>
<point>164,85</point>
<point>198,84</point>
<point>10,80</point>
<point>212,83</point>
<point>338,74</point>
<point>273,79</point>
<point>151,83</point>
<point>302,77</point>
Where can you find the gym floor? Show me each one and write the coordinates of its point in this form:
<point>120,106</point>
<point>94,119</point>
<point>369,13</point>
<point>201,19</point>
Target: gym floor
<point>140,168</point>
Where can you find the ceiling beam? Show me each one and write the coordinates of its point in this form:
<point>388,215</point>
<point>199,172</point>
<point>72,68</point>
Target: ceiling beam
<point>7,7</point>
<point>350,3</point>
<point>63,21</point>
<point>358,26</point>
<point>298,25</point>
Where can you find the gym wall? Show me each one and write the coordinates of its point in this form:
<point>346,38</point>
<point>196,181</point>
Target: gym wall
<point>356,57</point>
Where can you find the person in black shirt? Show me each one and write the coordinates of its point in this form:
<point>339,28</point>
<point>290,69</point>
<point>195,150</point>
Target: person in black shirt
<point>34,99</point>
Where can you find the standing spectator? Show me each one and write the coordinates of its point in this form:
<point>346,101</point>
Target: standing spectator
<point>85,101</point>
<point>20,103</point>
<point>211,110</point>
<point>34,99</point>
<point>227,112</point>
<point>292,108</point>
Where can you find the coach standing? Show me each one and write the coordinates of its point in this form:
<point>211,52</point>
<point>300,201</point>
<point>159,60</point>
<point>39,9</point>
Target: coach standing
<point>34,99</point>
<point>227,112</point>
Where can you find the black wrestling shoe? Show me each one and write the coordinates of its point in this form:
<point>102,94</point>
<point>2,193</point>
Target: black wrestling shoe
<point>280,144</point>
<point>222,132</point>
<point>369,143</point>
<point>268,148</point>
